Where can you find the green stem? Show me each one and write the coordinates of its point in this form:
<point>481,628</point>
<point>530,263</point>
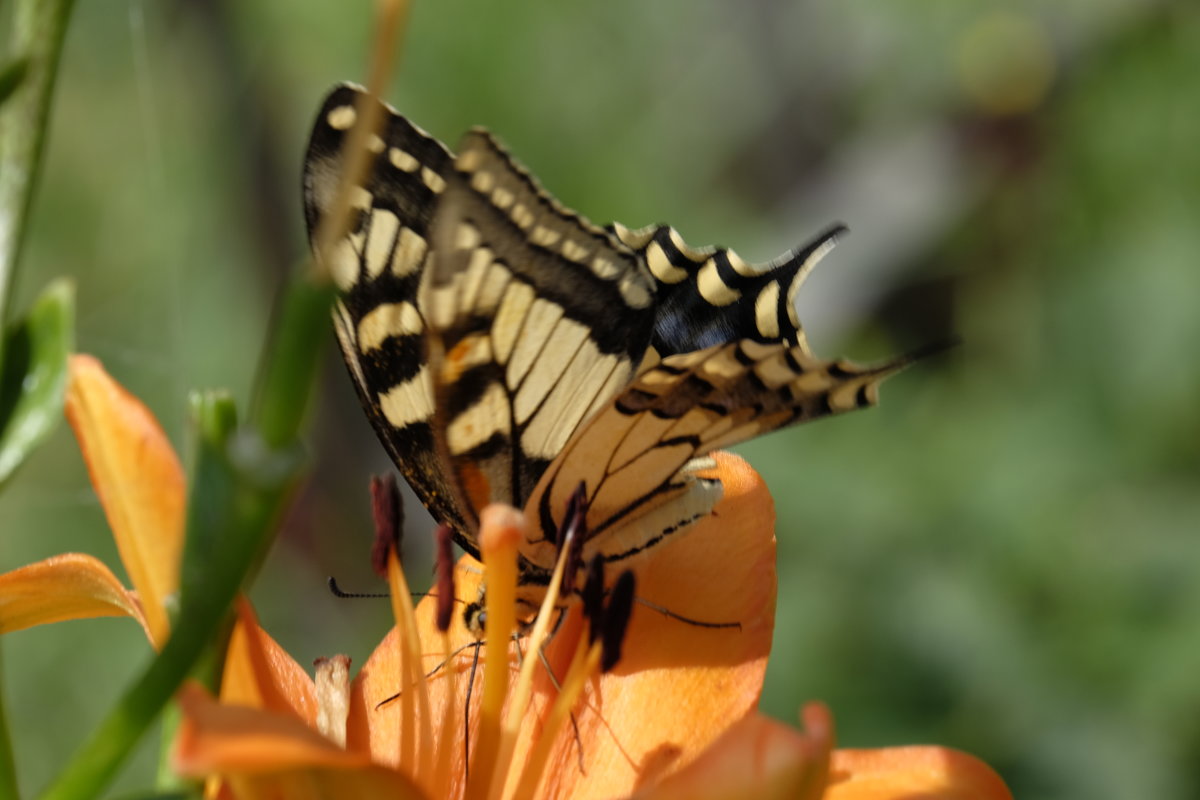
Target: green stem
<point>290,362</point>
<point>37,37</point>
<point>8,767</point>
<point>238,492</point>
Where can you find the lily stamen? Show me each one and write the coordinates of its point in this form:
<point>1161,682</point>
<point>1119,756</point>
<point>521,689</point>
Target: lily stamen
<point>501,531</point>
<point>413,750</point>
<point>442,776</point>
<point>570,539</point>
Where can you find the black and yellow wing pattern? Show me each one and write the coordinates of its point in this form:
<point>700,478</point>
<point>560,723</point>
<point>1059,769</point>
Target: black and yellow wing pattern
<point>506,349</point>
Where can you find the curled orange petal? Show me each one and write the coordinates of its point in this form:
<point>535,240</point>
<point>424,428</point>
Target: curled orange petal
<point>756,757</point>
<point>223,738</point>
<point>260,674</point>
<point>138,478</point>
<point>62,587</point>
<point>931,773</point>
<point>268,755</point>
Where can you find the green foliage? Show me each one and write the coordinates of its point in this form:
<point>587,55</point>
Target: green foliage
<point>34,375</point>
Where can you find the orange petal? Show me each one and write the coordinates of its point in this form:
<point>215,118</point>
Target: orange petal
<point>263,754</point>
<point>260,674</point>
<point>757,757</point>
<point>67,586</point>
<point>930,773</point>
<point>139,481</point>
<point>678,687</point>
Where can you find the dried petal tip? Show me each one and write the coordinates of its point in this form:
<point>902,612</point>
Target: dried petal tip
<point>616,620</point>
<point>333,697</point>
<point>388,512</point>
<point>445,577</point>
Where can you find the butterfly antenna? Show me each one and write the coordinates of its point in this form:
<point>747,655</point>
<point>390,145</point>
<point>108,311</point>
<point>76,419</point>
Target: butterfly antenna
<point>337,592</point>
<point>342,594</point>
<point>666,612</point>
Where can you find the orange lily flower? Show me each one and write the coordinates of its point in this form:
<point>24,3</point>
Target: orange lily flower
<point>675,718</point>
<point>141,486</point>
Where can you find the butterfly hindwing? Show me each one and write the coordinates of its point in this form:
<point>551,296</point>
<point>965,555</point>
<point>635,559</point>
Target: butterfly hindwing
<point>642,457</point>
<point>536,317</point>
<point>708,296</point>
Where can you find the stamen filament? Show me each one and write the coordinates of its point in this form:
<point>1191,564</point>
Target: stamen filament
<point>410,651</point>
<point>584,664</point>
<point>441,771</point>
<point>500,531</point>
<point>524,687</point>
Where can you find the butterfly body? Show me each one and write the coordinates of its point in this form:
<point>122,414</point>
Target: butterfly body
<point>507,350</point>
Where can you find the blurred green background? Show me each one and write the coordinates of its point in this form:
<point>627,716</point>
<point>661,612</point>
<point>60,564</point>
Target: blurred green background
<point>1002,557</point>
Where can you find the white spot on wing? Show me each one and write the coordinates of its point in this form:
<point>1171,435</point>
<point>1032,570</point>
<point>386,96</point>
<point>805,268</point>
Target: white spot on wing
<point>502,198</point>
<point>343,265</point>
<point>572,251</point>
<point>544,236</point>
<point>483,182</point>
<point>712,288</point>
<point>662,268</point>
<point>480,422</point>
<point>435,182</point>
<point>408,402</point>
<point>403,160</point>
<point>765,307</point>
<point>410,253</point>
<point>509,319</point>
<point>341,118</point>
<point>522,216</point>
<point>387,319</point>
<point>381,237</point>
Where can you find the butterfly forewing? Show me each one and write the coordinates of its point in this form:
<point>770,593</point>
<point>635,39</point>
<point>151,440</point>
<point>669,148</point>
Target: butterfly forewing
<point>378,267</point>
<point>536,319</point>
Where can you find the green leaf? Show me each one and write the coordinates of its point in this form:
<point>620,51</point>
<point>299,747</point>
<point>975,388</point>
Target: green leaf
<point>34,374</point>
<point>238,491</point>
<point>11,77</point>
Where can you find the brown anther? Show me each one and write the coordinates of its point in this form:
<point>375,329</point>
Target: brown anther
<point>445,577</point>
<point>616,620</point>
<point>593,598</point>
<point>572,533</point>
<point>388,513</point>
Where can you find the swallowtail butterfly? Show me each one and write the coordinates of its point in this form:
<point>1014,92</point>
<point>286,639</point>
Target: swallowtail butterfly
<point>506,349</point>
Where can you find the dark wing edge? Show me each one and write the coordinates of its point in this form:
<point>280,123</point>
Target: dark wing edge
<point>710,296</point>
<point>377,268</point>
